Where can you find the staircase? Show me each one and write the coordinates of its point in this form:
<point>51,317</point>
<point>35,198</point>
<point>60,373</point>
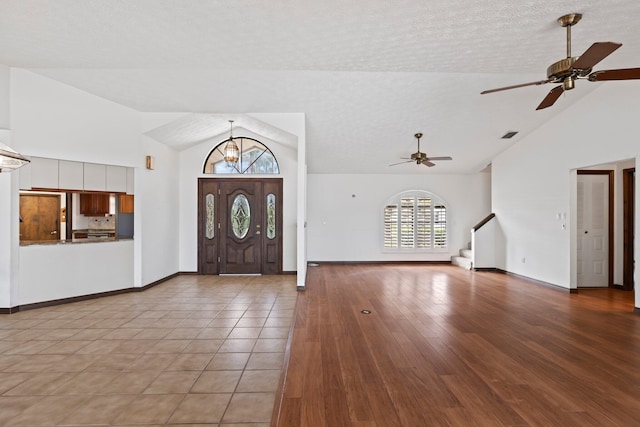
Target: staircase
<point>464,259</point>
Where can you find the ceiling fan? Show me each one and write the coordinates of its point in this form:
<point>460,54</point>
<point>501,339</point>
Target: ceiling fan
<point>568,70</point>
<point>421,158</point>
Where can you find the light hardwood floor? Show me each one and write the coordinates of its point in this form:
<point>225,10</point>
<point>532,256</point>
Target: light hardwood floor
<point>444,346</point>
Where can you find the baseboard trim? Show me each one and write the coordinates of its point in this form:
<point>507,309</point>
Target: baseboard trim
<point>86,297</point>
<point>538,282</point>
<point>378,262</point>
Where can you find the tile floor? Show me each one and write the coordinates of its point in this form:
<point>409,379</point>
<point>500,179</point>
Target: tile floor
<point>195,350</point>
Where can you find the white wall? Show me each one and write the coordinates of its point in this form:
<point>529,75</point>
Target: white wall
<point>54,120</point>
<point>5,116</point>
<point>9,198</point>
<point>157,212</point>
<point>342,227</point>
<point>191,163</point>
<point>533,180</point>
<point>51,119</point>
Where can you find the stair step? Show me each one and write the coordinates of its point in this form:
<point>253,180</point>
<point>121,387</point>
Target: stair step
<point>466,253</point>
<point>462,262</point>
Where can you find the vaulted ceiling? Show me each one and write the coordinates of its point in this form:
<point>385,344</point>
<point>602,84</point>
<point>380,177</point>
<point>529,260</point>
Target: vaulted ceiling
<point>367,74</point>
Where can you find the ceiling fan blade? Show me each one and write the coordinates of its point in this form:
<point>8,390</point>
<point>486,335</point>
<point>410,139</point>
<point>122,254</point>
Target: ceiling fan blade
<point>541,82</point>
<point>439,158</point>
<point>399,163</point>
<point>428,163</point>
<point>551,97</point>
<point>621,74</point>
<point>596,53</point>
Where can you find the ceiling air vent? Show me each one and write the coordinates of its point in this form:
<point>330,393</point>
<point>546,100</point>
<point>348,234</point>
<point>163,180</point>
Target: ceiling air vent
<point>509,134</point>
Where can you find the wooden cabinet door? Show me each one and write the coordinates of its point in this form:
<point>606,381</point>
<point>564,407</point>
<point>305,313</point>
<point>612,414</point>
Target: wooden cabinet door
<point>126,203</point>
<point>94,204</point>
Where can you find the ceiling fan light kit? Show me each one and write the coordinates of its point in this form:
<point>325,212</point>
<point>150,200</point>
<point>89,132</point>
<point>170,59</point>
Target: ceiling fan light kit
<point>566,71</point>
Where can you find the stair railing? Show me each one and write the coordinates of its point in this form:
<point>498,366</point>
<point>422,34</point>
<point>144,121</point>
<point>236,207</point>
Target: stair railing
<point>483,244</point>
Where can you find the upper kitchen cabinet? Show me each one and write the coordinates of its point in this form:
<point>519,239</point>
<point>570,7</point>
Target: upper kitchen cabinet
<point>54,174</point>
<point>95,177</point>
<point>94,204</point>
<point>70,175</point>
<point>44,173</point>
<point>116,179</point>
<point>130,174</point>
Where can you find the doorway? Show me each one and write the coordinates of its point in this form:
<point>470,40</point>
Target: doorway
<point>628,190</point>
<point>594,228</point>
<point>239,226</point>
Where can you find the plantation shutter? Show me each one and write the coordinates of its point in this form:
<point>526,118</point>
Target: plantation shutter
<point>407,212</point>
<point>440,226</point>
<point>415,222</point>
<point>391,226</point>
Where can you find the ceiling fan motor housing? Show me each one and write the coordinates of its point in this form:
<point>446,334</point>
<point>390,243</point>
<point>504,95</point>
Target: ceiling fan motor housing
<point>561,70</point>
<point>418,156</point>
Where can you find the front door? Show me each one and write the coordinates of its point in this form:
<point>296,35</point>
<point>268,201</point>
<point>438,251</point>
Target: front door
<point>593,230</point>
<point>240,226</point>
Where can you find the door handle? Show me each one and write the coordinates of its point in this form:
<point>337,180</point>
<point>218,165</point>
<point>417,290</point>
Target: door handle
<point>258,232</point>
<point>586,232</point>
<point>54,232</point>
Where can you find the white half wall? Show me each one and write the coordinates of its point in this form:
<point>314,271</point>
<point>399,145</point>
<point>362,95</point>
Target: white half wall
<point>532,181</point>
<point>345,213</point>
<point>51,272</point>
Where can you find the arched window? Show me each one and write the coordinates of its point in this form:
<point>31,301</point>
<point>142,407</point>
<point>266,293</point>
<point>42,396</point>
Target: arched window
<point>255,158</point>
<point>415,220</point>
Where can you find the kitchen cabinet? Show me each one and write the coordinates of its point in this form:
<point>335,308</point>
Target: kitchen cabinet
<point>95,177</point>
<point>130,174</point>
<point>70,175</point>
<point>44,173</point>
<point>94,204</point>
<point>116,179</point>
<point>126,203</point>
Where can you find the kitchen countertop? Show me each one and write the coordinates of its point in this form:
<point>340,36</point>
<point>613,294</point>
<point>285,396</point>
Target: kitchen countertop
<point>74,241</point>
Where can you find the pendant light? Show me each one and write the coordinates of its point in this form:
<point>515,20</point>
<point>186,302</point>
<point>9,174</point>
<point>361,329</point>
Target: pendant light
<point>10,160</point>
<point>231,151</point>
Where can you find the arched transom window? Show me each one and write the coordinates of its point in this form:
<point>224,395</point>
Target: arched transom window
<point>254,158</point>
<point>415,220</point>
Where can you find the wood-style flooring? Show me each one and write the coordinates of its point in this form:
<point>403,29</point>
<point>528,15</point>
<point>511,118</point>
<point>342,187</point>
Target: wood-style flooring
<point>443,346</point>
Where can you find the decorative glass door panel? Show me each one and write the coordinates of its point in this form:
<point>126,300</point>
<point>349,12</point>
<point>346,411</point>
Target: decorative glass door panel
<point>240,223</point>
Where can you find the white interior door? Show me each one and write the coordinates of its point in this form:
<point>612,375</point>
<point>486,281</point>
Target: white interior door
<point>593,230</point>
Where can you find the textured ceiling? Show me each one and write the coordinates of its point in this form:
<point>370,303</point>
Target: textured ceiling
<point>367,74</point>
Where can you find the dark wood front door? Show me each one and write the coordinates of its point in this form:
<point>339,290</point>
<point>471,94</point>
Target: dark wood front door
<point>240,226</point>
<point>39,217</point>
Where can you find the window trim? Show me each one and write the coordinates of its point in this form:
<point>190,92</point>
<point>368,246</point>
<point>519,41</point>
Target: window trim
<point>435,202</point>
<point>219,149</point>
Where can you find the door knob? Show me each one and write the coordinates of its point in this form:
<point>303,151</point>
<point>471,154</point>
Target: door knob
<point>586,232</point>
<point>258,232</point>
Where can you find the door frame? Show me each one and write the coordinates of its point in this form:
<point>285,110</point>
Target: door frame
<point>628,195</point>
<point>610,239</point>
<point>268,246</point>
